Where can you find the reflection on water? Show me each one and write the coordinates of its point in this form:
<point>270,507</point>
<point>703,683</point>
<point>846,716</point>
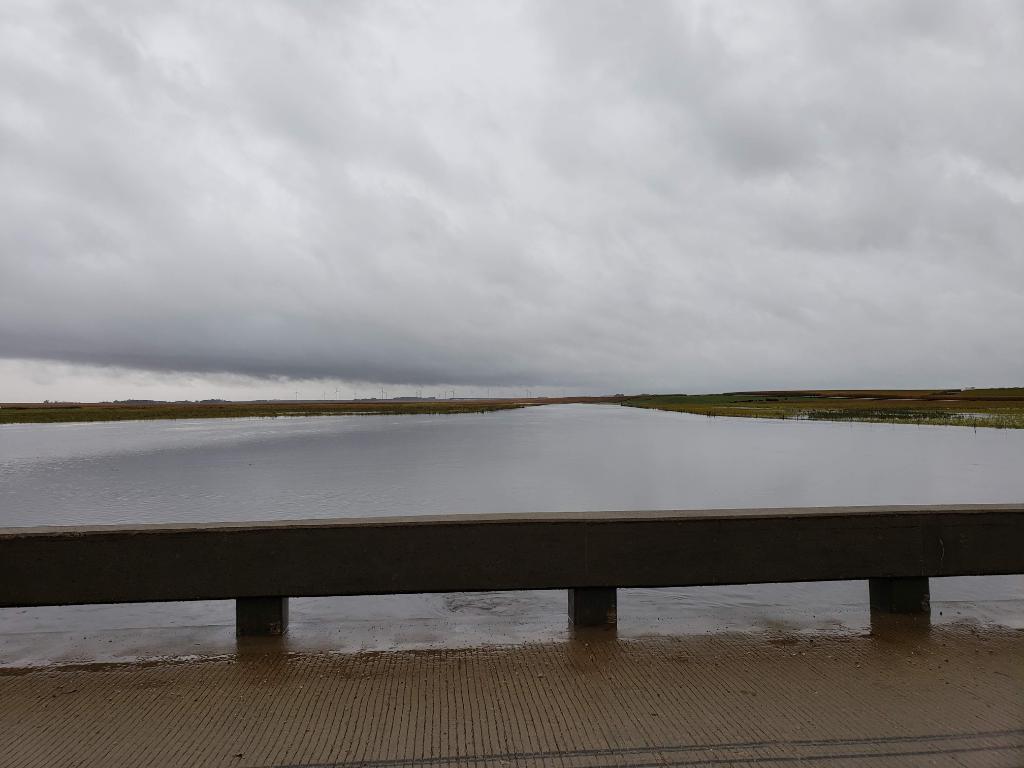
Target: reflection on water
<point>541,459</point>
<point>577,457</point>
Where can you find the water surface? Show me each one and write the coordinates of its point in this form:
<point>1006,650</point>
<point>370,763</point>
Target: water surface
<point>555,458</point>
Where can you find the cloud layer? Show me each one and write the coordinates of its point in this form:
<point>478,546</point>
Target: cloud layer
<point>678,196</point>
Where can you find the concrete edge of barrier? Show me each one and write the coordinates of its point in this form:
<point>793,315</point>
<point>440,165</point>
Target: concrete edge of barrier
<point>261,565</point>
<point>911,595</point>
<point>261,616</point>
<point>593,606</point>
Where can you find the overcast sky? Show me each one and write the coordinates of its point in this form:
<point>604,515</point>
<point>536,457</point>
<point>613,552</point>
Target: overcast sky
<point>257,198</point>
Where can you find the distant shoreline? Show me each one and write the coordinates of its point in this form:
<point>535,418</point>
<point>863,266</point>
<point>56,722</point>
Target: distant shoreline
<point>988,408</point>
<point>985,408</point>
<point>58,413</point>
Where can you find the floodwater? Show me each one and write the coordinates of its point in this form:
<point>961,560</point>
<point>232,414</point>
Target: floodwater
<point>553,458</point>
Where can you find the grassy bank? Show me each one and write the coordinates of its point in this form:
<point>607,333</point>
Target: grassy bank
<point>989,408</point>
<point>43,413</point>
<point>46,413</point>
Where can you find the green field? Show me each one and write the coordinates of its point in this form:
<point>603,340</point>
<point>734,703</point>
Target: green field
<point>53,413</point>
<point>42,413</point>
<point>990,408</point>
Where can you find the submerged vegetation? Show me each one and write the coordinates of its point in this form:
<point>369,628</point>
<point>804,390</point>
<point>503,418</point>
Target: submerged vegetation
<point>992,408</point>
<point>41,413</point>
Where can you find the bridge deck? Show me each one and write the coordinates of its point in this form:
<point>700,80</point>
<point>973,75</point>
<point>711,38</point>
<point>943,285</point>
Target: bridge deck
<point>909,695</point>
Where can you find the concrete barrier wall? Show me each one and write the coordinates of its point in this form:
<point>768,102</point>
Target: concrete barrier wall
<point>56,566</point>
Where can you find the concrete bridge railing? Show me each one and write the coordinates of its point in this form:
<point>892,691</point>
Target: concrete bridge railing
<point>260,565</point>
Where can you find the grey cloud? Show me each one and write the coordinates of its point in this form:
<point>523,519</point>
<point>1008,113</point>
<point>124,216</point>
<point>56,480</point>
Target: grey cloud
<point>695,196</point>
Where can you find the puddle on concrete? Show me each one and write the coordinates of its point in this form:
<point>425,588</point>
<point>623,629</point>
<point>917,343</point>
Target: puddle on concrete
<point>154,631</point>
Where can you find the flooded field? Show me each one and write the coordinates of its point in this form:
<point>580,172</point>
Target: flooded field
<point>555,458</point>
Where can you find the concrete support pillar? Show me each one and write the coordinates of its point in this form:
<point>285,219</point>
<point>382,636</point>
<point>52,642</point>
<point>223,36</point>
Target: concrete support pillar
<point>593,607</point>
<point>261,616</point>
<point>900,595</point>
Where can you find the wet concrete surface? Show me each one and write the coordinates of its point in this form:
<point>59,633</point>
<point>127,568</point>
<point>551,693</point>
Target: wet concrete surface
<point>167,631</point>
<point>903,692</point>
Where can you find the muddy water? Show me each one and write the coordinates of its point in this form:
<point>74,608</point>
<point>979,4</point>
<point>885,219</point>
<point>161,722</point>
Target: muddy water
<point>541,459</point>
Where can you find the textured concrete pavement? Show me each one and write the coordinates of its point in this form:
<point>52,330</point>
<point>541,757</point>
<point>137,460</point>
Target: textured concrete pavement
<point>906,695</point>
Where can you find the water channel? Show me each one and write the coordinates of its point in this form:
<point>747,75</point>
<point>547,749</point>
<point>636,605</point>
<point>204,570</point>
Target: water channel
<point>551,458</point>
